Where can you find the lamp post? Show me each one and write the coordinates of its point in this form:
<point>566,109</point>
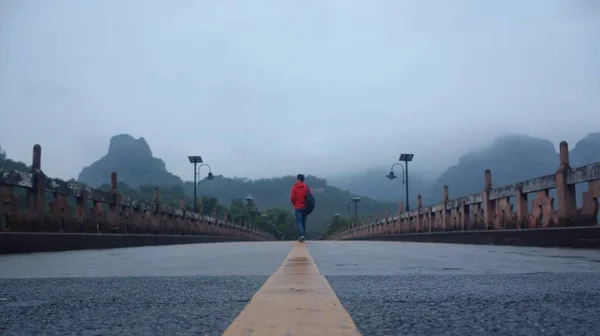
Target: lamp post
<point>406,158</point>
<point>337,219</point>
<point>196,160</point>
<point>249,201</point>
<point>250,207</point>
<point>355,200</point>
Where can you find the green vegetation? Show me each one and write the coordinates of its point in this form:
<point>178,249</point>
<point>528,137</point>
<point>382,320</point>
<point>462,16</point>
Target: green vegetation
<point>336,224</point>
<point>139,172</point>
<point>511,159</point>
<point>5,162</point>
<point>278,222</point>
<point>275,193</point>
<point>270,196</point>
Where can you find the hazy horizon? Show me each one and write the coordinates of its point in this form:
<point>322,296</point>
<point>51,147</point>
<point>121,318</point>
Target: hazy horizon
<point>269,88</point>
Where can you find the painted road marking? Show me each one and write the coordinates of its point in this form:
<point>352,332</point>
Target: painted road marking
<point>296,300</point>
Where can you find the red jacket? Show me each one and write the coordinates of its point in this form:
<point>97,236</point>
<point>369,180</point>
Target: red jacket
<point>298,194</point>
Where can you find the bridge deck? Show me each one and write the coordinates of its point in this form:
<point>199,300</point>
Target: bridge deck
<point>386,287</point>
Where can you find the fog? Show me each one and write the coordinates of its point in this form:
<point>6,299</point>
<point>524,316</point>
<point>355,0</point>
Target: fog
<point>267,88</point>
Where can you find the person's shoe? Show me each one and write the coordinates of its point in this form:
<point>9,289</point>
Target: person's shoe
<point>302,239</point>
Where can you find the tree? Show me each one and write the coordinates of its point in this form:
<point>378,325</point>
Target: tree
<point>336,224</point>
<point>7,163</point>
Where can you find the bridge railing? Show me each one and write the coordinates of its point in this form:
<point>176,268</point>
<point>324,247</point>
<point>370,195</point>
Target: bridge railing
<point>24,208</point>
<point>493,208</point>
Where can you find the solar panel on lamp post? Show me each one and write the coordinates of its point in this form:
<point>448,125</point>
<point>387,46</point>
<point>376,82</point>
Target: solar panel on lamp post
<point>337,219</point>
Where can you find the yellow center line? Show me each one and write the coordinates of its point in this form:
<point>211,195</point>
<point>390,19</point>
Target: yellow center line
<point>295,300</point>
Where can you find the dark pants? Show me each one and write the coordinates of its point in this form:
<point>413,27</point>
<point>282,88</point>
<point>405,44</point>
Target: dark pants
<point>301,221</point>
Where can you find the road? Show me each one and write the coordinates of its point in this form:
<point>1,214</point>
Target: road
<point>388,288</point>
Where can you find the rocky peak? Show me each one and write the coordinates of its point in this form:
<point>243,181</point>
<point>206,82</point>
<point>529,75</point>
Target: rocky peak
<point>586,151</point>
<point>126,145</point>
<point>133,162</point>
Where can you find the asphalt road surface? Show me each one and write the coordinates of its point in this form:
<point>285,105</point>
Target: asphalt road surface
<point>389,288</point>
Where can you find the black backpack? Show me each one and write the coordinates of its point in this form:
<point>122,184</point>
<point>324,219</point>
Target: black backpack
<point>309,201</point>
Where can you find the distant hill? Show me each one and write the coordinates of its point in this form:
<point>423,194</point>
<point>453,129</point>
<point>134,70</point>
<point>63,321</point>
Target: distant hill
<point>373,183</point>
<point>275,193</point>
<point>133,161</point>
<point>10,164</point>
<point>586,150</point>
<point>511,158</point>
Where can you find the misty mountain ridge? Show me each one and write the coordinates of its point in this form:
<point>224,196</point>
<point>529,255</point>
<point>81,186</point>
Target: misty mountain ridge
<point>511,158</point>
<point>133,161</point>
<point>136,167</point>
<point>373,183</point>
<point>585,151</point>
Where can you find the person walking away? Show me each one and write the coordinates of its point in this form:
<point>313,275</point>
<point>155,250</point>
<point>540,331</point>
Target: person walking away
<point>300,195</point>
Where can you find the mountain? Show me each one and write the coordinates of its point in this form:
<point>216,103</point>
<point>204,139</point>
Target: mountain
<point>133,161</point>
<point>275,193</point>
<point>511,158</point>
<point>373,183</point>
<point>135,166</point>
<point>586,150</point>
<point>5,162</point>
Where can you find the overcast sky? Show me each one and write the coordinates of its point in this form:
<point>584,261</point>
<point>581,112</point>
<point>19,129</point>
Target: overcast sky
<point>262,88</point>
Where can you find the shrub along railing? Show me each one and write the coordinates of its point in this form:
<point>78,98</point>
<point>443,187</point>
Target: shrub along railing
<point>23,208</point>
<point>492,209</point>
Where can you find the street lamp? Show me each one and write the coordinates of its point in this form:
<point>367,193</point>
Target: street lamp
<point>406,158</point>
<point>249,200</point>
<point>196,160</point>
<point>251,208</point>
<point>355,200</point>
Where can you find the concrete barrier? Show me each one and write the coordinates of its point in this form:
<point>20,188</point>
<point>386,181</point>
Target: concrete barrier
<point>29,242</point>
<point>573,237</point>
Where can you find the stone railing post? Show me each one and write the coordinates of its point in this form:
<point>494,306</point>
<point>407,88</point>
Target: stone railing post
<point>418,213</point>
<point>187,226</point>
<point>36,196</point>
<point>82,210</point>
<point>445,212</point>
<point>488,206</point>
<point>217,227</point>
<point>522,208</point>
<point>565,194</point>
<point>157,220</point>
<point>114,213</point>
<point>400,221</point>
<point>463,215</point>
<point>226,225</point>
<point>387,229</point>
